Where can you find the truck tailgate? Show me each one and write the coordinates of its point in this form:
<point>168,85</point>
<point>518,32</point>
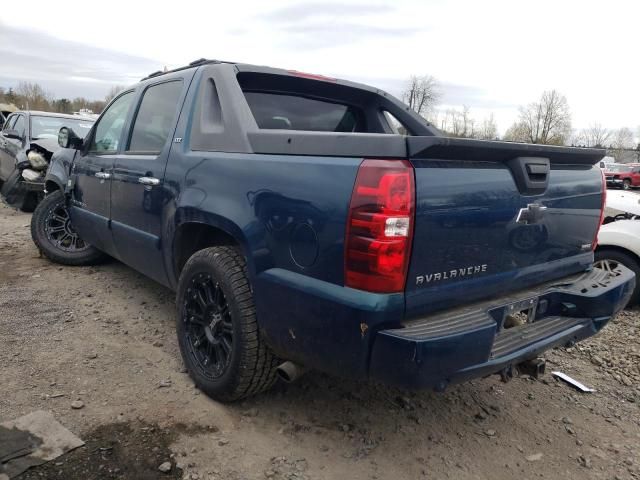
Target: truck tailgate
<point>494,217</point>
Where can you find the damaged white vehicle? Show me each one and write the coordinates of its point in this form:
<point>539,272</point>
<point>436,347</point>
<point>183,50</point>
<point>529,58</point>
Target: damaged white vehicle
<point>619,237</point>
<point>28,141</point>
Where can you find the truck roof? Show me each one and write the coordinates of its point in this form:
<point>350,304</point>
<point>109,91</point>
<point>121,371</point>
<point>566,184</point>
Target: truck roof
<point>247,67</point>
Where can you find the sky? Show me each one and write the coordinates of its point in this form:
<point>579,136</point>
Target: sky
<point>491,55</point>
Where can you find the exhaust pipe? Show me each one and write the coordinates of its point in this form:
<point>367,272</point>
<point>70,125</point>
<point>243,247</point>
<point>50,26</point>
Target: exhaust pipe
<point>289,371</point>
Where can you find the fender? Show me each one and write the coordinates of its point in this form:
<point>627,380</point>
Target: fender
<point>622,233</point>
<point>59,168</point>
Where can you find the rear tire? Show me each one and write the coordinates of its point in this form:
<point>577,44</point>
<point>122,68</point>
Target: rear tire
<point>614,257</point>
<point>56,238</point>
<point>218,332</point>
<point>626,185</point>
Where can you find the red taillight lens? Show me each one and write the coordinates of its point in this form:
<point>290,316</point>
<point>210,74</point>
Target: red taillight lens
<point>594,244</point>
<point>380,226</point>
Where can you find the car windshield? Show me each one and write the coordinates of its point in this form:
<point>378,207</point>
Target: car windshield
<point>48,127</point>
<point>618,168</point>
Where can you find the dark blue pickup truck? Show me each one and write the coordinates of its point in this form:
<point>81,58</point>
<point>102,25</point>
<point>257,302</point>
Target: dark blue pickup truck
<point>310,222</point>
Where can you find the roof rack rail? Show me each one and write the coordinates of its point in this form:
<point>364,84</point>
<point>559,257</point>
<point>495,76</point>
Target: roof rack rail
<point>195,63</point>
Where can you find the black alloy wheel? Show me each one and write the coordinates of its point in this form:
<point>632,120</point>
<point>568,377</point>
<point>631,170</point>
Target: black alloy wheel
<point>60,232</point>
<point>220,339</point>
<point>54,234</point>
<point>208,326</point>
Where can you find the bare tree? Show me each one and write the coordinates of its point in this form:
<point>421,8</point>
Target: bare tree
<point>489,129</point>
<point>621,142</point>
<point>422,94</point>
<point>547,121</point>
<point>461,123</point>
<point>34,97</point>
<point>517,133</point>
<point>113,91</point>
<point>595,136</point>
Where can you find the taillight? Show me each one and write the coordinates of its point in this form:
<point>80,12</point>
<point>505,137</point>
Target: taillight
<point>380,226</point>
<point>603,200</point>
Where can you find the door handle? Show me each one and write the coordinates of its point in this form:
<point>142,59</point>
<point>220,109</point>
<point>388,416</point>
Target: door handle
<point>103,175</point>
<point>149,181</point>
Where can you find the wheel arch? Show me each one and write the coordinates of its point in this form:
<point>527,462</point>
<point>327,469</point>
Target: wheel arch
<point>622,235</point>
<point>51,185</point>
<point>621,249</point>
<point>203,231</point>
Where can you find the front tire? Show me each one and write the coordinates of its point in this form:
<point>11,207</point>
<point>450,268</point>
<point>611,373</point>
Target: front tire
<point>626,185</point>
<point>55,237</point>
<point>218,333</point>
<point>608,258</point>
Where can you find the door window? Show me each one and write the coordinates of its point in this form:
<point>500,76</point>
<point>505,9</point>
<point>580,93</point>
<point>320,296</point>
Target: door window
<point>109,128</point>
<point>20,126</point>
<point>155,118</point>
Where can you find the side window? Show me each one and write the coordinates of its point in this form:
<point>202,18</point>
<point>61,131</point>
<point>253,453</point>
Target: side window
<point>155,118</point>
<point>293,112</point>
<point>20,126</point>
<point>395,125</point>
<point>9,123</point>
<point>109,129</point>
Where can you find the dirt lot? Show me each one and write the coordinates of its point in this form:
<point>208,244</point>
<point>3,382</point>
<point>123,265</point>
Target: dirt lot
<point>105,336</point>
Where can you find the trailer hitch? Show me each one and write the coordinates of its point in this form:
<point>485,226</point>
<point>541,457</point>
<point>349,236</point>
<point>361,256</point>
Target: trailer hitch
<point>534,368</point>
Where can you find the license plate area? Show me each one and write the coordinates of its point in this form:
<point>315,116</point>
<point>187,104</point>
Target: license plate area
<point>516,314</point>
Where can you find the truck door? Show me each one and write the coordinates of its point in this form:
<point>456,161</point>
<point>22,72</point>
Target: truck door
<point>92,171</point>
<point>138,196</point>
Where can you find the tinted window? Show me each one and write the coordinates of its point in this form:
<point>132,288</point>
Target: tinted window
<point>155,118</point>
<point>109,128</point>
<point>20,126</point>
<point>48,127</point>
<point>273,111</point>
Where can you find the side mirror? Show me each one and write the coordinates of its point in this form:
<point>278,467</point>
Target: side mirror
<point>12,134</point>
<point>67,138</point>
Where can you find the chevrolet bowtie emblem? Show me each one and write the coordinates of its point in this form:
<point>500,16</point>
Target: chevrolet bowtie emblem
<point>532,214</point>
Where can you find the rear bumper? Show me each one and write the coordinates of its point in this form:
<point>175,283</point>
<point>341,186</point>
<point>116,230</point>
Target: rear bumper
<point>461,344</point>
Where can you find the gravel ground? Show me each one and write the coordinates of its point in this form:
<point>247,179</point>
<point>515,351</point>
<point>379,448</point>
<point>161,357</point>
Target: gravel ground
<point>102,338</point>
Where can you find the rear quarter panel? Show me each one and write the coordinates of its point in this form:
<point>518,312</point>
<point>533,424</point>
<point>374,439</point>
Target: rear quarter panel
<point>288,213</point>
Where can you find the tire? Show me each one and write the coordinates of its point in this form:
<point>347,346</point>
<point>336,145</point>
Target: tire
<point>616,256</point>
<point>55,237</point>
<point>218,333</point>
<point>626,185</point>
<point>30,203</point>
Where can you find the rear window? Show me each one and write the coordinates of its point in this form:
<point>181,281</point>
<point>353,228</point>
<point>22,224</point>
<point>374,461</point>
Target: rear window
<point>294,112</point>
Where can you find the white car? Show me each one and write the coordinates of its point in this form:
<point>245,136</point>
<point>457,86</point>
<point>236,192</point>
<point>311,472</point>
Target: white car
<point>619,237</point>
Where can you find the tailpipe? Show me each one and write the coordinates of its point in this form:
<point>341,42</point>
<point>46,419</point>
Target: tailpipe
<point>290,372</point>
